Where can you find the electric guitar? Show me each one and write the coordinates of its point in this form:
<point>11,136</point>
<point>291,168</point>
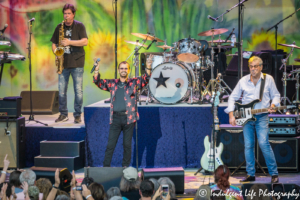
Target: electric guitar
<point>244,112</point>
<point>207,160</point>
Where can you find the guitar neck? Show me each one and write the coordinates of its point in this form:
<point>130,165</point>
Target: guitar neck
<point>256,111</point>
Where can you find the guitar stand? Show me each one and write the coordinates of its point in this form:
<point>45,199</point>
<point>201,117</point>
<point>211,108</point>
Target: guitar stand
<point>260,167</point>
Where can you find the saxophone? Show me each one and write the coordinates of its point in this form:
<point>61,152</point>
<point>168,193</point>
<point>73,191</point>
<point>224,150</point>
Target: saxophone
<point>59,51</point>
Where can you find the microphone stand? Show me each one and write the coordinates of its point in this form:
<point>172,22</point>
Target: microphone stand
<point>240,35</point>
<point>31,117</point>
<point>116,38</point>
<point>276,31</point>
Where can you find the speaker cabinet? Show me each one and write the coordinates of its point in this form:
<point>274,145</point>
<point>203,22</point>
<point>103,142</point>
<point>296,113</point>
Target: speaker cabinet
<point>286,151</point>
<point>106,176</point>
<point>176,174</point>
<point>12,142</point>
<point>43,102</point>
<point>233,140</point>
<point>232,69</point>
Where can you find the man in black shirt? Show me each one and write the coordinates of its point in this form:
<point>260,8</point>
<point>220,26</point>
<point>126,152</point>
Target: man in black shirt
<point>75,38</point>
<point>123,114</point>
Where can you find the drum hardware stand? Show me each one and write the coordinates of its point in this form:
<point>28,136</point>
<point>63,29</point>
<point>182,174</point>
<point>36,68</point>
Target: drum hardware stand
<point>276,30</point>
<point>220,87</point>
<point>240,35</point>
<point>296,77</point>
<point>284,78</point>
<point>31,116</point>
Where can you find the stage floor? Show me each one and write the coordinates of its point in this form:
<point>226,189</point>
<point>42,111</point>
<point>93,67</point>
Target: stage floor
<point>50,120</point>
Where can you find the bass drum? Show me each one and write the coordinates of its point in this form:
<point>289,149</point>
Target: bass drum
<point>170,83</point>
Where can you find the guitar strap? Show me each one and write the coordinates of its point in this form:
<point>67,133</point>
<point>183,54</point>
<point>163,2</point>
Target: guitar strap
<point>262,87</point>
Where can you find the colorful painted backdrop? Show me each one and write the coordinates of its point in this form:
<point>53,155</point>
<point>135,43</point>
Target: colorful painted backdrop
<point>167,19</point>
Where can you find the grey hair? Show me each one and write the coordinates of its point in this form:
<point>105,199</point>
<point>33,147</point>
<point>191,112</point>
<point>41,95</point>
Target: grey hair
<point>116,198</point>
<point>156,186</point>
<point>28,176</point>
<point>167,181</point>
<point>126,185</point>
<point>113,191</point>
<point>155,183</point>
<point>33,192</point>
<point>62,197</point>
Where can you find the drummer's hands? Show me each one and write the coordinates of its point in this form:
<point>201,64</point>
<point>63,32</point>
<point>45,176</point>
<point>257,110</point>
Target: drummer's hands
<point>232,119</point>
<point>149,61</point>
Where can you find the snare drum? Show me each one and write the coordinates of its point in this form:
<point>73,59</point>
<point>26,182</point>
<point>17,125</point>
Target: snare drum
<point>171,83</point>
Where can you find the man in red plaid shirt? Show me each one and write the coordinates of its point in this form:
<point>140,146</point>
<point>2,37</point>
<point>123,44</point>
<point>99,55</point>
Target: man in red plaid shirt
<point>123,114</point>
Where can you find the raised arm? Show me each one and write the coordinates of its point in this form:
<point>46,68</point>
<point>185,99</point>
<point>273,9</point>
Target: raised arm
<point>103,84</point>
<point>4,171</point>
<point>52,194</point>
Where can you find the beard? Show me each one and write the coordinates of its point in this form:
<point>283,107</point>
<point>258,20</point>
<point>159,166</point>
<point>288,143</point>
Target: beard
<point>123,75</point>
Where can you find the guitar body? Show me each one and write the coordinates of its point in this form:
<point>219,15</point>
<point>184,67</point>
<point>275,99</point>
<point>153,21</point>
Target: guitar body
<point>246,115</point>
<point>207,158</point>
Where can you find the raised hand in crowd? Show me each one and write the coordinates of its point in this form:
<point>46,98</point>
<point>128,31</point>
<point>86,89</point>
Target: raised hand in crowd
<point>72,196</point>
<point>57,180</point>
<point>25,190</point>
<point>52,194</point>
<point>4,171</point>
<point>87,193</point>
<point>13,193</point>
<point>3,191</point>
<point>168,197</point>
<point>77,194</point>
<point>157,193</point>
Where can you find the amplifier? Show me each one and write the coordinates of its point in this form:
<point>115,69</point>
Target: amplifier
<point>10,107</point>
<point>283,131</point>
<point>282,119</point>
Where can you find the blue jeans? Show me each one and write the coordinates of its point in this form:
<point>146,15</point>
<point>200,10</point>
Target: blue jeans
<point>261,125</point>
<point>63,81</point>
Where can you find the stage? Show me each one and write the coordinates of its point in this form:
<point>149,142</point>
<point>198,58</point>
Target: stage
<point>168,135</point>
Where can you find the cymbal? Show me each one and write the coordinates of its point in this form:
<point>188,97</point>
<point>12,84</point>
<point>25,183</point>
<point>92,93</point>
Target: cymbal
<point>164,47</point>
<point>188,57</point>
<point>136,43</point>
<point>297,59</point>
<point>147,36</point>
<point>213,32</point>
<point>219,41</point>
<point>289,45</point>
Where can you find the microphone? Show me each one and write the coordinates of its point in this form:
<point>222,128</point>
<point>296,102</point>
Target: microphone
<point>95,65</point>
<point>31,20</point>
<point>5,26</point>
<point>214,19</point>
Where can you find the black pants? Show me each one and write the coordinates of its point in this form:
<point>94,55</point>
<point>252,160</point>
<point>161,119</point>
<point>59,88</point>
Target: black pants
<point>119,124</point>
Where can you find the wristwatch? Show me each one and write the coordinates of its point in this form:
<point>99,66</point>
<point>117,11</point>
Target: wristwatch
<point>55,187</point>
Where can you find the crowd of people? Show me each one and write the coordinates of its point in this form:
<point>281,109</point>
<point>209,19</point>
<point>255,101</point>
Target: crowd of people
<point>22,185</point>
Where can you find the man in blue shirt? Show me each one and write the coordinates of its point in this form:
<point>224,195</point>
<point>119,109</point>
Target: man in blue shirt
<point>250,86</point>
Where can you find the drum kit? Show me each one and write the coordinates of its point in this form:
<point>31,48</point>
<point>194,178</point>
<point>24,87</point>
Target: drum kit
<point>177,74</point>
<point>292,76</point>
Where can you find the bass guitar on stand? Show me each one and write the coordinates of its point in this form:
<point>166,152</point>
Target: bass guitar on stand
<point>211,159</point>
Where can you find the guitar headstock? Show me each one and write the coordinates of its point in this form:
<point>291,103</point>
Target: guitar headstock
<point>291,106</point>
